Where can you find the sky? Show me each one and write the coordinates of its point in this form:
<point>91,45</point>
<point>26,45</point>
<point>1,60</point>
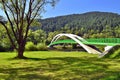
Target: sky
<point>67,7</point>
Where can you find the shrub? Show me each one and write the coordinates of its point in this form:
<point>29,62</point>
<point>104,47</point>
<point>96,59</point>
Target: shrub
<point>116,54</point>
<point>2,49</point>
<point>42,47</point>
<point>113,53</point>
<point>30,46</point>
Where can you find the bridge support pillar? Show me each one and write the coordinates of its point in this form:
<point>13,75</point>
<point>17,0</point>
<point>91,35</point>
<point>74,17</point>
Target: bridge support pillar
<point>106,50</point>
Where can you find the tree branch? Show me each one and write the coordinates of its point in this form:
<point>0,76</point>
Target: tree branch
<point>9,19</point>
<point>12,15</point>
<point>37,8</point>
<point>8,33</point>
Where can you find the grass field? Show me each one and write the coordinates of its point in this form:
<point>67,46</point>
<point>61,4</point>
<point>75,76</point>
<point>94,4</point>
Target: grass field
<point>56,65</point>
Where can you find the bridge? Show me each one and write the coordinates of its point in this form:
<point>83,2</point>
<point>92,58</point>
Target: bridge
<point>109,43</point>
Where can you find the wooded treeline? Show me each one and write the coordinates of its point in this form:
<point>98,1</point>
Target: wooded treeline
<point>91,24</point>
<point>87,25</point>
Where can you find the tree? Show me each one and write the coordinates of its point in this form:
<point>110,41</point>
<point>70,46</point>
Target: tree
<point>37,36</point>
<point>4,41</point>
<point>51,35</point>
<point>20,14</point>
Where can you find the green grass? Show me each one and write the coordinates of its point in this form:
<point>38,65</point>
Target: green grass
<point>55,65</point>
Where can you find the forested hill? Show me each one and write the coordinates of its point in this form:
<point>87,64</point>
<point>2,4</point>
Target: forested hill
<point>99,24</point>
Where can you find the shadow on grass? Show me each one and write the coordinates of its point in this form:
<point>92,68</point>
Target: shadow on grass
<point>14,74</point>
<point>57,68</point>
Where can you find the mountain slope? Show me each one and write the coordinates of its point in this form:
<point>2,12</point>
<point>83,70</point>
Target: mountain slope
<point>91,22</point>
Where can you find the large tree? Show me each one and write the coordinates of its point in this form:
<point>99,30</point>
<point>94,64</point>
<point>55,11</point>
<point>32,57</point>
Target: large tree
<point>20,14</point>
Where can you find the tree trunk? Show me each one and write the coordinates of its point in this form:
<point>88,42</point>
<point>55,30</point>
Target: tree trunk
<point>21,51</point>
<point>20,54</point>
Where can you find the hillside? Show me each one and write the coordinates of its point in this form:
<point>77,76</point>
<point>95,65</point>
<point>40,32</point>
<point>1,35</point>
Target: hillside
<point>91,22</point>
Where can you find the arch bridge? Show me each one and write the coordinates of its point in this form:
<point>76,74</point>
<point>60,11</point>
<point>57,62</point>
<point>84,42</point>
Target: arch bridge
<point>109,43</point>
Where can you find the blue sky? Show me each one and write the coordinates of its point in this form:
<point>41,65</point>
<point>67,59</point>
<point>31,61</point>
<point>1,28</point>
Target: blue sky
<point>66,7</point>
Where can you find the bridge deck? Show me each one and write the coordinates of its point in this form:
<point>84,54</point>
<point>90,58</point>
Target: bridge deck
<point>100,41</point>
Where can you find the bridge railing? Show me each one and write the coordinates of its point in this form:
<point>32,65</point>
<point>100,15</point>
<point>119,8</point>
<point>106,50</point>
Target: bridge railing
<point>104,40</point>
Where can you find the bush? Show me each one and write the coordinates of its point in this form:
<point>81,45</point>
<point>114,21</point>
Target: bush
<point>2,49</point>
<point>113,53</point>
<point>116,54</point>
<point>42,47</point>
<point>30,46</point>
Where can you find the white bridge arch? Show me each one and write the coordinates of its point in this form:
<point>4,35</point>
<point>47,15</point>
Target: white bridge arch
<point>77,39</point>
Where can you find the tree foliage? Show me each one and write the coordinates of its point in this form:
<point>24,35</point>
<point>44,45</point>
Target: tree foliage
<point>37,36</point>
<point>20,14</point>
<point>91,24</point>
